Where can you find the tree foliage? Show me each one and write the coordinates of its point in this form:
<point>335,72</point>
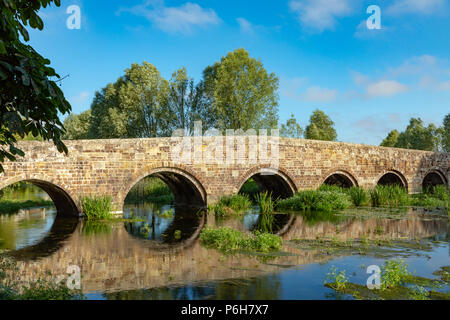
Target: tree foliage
<point>420,137</point>
<point>30,102</point>
<point>291,129</point>
<point>391,139</point>
<point>243,95</point>
<point>320,127</point>
<point>78,126</point>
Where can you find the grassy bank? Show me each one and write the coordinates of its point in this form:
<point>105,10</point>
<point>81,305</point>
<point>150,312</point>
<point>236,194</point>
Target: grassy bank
<point>13,206</point>
<point>152,190</point>
<point>229,240</point>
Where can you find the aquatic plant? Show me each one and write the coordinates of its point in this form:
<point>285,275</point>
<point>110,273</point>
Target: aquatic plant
<point>317,200</point>
<point>232,204</point>
<point>265,202</point>
<point>391,196</point>
<point>358,195</point>
<point>393,272</point>
<point>336,280</point>
<point>228,240</point>
<point>95,207</point>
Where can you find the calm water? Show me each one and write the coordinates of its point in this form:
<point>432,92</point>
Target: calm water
<point>160,257</point>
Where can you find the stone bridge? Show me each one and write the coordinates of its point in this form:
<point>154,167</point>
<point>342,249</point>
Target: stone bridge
<point>209,167</point>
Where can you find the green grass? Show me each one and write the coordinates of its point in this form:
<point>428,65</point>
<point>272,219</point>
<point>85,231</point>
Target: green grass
<point>152,190</point>
<point>13,206</point>
<point>97,208</point>
<point>316,200</point>
<point>265,202</point>
<point>358,195</point>
<point>226,239</point>
<point>232,204</point>
<point>389,196</point>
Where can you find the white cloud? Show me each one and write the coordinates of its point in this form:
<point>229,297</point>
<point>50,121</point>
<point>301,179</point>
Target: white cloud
<point>182,19</point>
<point>415,7</point>
<point>385,88</point>
<point>320,15</point>
<point>245,25</point>
<point>416,65</point>
<point>318,94</point>
<point>82,97</point>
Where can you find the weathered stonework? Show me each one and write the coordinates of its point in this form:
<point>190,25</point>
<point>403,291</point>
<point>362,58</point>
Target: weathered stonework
<point>113,167</point>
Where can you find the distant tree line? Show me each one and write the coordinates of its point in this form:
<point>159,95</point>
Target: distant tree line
<point>420,137</point>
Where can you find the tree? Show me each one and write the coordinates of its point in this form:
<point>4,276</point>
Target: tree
<point>446,134</point>
<point>416,136</point>
<point>135,106</point>
<point>77,126</point>
<point>391,139</point>
<point>320,127</point>
<point>29,100</point>
<point>242,93</point>
<point>291,129</point>
<point>188,103</point>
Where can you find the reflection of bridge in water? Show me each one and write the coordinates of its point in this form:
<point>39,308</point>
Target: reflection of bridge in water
<point>116,261</point>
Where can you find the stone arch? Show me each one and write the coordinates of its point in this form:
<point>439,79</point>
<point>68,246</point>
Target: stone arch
<point>393,177</point>
<point>271,180</point>
<point>433,178</point>
<point>340,178</point>
<point>186,188</point>
<point>61,197</point>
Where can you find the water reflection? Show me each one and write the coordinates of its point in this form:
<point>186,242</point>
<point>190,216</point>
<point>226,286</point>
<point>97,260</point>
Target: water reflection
<point>118,262</point>
<point>165,223</point>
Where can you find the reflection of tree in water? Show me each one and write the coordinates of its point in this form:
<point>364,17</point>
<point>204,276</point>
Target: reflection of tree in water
<point>271,223</point>
<point>261,288</point>
<point>167,224</point>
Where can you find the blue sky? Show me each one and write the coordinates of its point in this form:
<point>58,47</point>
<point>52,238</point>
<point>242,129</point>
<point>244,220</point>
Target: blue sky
<point>368,81</point>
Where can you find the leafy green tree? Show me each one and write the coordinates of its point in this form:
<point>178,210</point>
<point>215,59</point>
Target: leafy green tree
<point>242,93</point>
<point>30,101</point>
<point>135,106</point>
<point>188,103</point>
<point>446,134</point>
<point>391,139</point>
<point>418,137</point>
<point>291,129</point>
<point>320,127</point>
<point>77,126</point>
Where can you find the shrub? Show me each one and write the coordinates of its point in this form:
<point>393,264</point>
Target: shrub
<point>97,207</point>
<point>227,240</point>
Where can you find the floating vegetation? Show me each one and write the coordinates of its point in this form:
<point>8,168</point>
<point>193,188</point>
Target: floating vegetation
<point>228,240</point>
